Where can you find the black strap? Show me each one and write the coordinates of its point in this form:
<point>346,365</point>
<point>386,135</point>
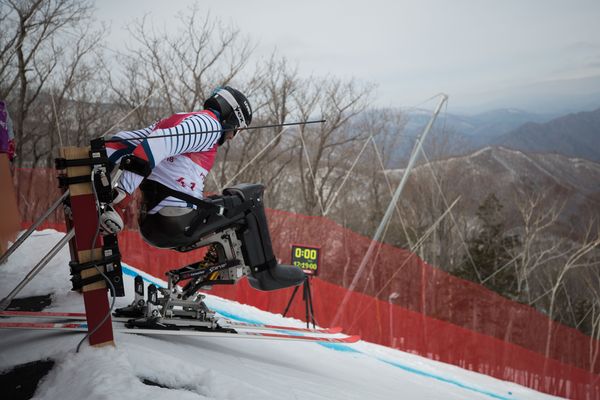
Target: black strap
<point>135,164</point>
<point>155,192</point>
<point>66,181</point>
<point>76,267</point>
<point>63,163</point>
<point>79,282</point>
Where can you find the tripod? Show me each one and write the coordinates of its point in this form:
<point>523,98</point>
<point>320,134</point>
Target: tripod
<point>308,304</point>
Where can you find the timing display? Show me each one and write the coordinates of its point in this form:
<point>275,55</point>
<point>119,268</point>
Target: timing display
<point>307,258</point>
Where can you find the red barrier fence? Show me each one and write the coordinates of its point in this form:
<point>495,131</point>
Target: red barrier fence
<point>434,314</point>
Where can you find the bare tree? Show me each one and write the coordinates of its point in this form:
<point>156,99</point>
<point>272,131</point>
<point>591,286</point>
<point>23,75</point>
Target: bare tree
<point>134,90</point>
<point>179,71</point>
<point>593,316</point>
<point>261,155</point>
<point>71,109</point>
<point>539,212</point>
<point>582,254</point>
<point>29,53</point>
<point>322,160</point>
<point>433,186</point>
<point>368,189</point>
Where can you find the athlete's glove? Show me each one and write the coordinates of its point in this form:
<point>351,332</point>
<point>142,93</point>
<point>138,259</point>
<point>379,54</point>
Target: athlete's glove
<point>112,218</point>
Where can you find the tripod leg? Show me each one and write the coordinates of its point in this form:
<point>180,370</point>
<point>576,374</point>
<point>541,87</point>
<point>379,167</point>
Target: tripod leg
<point>310,303</point>
<point>290,302</point>
<point>306,294</point>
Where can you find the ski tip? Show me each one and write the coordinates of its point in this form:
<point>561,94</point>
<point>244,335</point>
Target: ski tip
<point>334,329</point>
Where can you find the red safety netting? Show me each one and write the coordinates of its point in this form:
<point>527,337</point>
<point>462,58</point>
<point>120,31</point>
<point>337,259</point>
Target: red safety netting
<point>434,314</point>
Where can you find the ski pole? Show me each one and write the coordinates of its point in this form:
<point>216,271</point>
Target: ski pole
<point>118,139</point>
<point>43,262</point>
<point>33,227</point>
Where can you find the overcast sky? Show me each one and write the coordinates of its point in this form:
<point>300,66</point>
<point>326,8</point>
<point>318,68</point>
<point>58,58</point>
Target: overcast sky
<point>477,51</point>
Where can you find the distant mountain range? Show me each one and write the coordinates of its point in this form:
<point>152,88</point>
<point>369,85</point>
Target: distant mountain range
<point>573,135</point>
<point>478,127</point>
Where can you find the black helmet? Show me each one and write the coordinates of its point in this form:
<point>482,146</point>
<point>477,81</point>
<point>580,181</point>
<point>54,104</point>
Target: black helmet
<point>233,106</point>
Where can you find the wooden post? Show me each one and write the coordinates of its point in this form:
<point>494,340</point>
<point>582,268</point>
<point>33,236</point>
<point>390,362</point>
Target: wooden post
<point>10,222</point>
<point>85,223</point>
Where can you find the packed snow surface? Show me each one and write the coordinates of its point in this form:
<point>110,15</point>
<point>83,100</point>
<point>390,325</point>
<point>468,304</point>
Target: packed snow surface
<point>218,368</point>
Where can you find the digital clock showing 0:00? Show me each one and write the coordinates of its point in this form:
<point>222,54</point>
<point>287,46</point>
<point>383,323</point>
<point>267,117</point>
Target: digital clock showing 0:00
<point>306,258</point>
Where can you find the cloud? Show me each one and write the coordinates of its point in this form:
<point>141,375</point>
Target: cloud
<point>582,46</point>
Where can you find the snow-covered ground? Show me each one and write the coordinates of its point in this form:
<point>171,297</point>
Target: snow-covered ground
<point>218,368</point>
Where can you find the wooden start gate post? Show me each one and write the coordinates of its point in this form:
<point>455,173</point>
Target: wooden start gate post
<point>85,248</point>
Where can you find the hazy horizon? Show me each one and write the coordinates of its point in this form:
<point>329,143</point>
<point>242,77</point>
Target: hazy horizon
<point>541,57</point>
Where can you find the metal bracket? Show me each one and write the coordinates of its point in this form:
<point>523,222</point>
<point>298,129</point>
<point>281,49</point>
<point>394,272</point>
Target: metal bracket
<point>111,262</point>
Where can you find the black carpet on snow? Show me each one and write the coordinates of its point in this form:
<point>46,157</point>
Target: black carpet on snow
<point>21,382</point>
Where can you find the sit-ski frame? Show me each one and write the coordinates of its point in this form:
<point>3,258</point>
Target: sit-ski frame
<point>186,303</point>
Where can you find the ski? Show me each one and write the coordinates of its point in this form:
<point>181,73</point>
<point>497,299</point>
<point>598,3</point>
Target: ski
<point>42,314</point>
<point>248,325</point>
<point>83,327</point>
<point>226,322</point>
